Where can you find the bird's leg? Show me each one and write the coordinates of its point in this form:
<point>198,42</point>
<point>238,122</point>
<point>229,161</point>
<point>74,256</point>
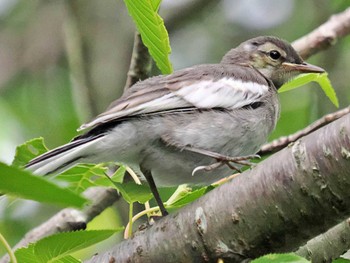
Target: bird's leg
<point>148,175</point>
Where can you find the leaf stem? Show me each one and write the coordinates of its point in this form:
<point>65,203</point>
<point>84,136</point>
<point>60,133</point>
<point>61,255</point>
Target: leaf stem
<point>131,210</point>
<point>137,216</point>
<point>8,249</point>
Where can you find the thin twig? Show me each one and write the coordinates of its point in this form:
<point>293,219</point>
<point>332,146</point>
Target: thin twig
<point>140,64</point>
<point>324,36</point>
<point>329,245</point>
<point>282,142</point>
<point>70,219</point>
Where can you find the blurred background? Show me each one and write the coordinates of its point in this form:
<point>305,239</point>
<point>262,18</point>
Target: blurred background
<point>64,61</point>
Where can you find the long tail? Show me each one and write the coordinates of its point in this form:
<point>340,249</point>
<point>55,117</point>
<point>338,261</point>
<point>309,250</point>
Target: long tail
<point>64,157</point>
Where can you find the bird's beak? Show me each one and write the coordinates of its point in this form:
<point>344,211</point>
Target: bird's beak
<point>302,68</point>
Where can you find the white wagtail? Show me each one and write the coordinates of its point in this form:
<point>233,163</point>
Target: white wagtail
<point>195,119</point>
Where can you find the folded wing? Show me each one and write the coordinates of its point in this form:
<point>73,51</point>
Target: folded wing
<point>184,89</point>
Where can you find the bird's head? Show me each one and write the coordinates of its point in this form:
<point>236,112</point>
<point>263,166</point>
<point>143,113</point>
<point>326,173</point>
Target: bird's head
<point>275,58</point>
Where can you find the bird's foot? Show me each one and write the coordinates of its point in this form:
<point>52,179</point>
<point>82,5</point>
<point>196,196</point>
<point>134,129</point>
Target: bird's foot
<point>227,160</point>
<point>220,158</point>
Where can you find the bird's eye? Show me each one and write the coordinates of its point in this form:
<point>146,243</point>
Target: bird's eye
<point>274,54</point>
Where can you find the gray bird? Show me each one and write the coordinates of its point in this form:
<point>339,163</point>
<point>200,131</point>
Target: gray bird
<point>192,121</point>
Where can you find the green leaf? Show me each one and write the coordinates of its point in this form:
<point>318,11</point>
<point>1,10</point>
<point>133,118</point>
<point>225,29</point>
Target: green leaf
<point>83,176</point>
<point>341,260</point>
<point>184,195</point>
<point>26,255</point>
<point>21,183</point>
<point>59,246</point>
<point>153,32</point>
<point>133,192</point>
<point>156,4</point>
<point>66,259</point>
<point>28,150</point>
<point>321,79</point>
<point>118,176</point>
<point>298,81</point>
<point>280,258</point>
<point>327,88</point>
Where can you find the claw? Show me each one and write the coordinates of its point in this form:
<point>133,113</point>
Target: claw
<point>198,168</point>
<point>207,167</point>
<point>226,160</point>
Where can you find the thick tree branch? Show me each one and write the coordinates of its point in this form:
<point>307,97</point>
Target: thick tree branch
<point>325,35</point>
<point>283,141</point>
<point>275,207</point>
